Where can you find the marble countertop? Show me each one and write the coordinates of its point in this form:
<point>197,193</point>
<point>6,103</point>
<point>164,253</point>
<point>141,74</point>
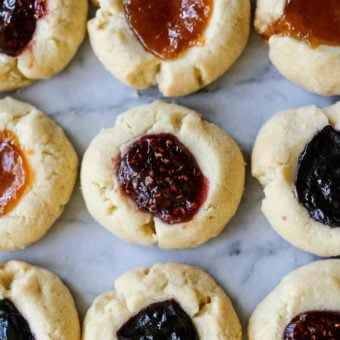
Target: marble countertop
<point>248,259</point>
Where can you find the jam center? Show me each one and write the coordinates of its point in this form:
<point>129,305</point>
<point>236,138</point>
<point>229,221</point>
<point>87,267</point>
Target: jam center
<point>14,172</point>
<point>18,19</point>
<point>314,21</point>
<point>314,325</point>
<point>167,28</point>
<point>159,321</point>
<point>318,177</point>
<point>161,175</point>
<point>13,326</point>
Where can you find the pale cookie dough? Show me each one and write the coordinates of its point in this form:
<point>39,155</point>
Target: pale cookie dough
<point>217,155</point>
<point>53,163</point>
<point>197,293</point>
<point>314,287</point>
<point>56,39</point>
<point>42,299</point>
<point>123,55</point>
<point>315,69</point>
<point>274,163</point>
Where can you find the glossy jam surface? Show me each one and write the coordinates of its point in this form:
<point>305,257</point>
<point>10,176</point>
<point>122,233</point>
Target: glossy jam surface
<point>314,326</point>
<point>161,175</point>
<point>18,19</point>
<point>167,28</point>
<point>159,321</point>
<point>318,177</point>
<point>13,326</point>
<point>14,172</point>
<point>314,21</point>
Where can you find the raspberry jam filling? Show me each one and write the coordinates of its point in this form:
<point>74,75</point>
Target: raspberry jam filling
<point>14,172</point>
<point>314,21</point>
<point>318,177</point>
<point>314,325</point>
<point>18,19</point>
<point>159,321</point>
<point>161,175</point>
<point>13,326</point>
<point>167,28</point>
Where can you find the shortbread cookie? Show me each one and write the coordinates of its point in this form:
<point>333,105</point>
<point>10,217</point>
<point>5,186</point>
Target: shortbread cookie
<point>305,305</point>
<point>181,46</point>
<point>296,158</point>
<point>304,41</point>
<point>35,304</point>
<point>38,38</point>
<point>167,301</point>
<point>38,168</point>
<point>163,175</point>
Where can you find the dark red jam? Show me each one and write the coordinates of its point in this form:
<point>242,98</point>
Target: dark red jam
<point>159,321</point>
<point>13,326</point>
<point>167,28</point>
<point>314,21</point>
<point>314,326</point>
<point>18,19</point>
<point>318,177</point>
<point>161,175</point>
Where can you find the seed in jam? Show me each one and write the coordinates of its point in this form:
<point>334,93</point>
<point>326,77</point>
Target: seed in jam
<point>318,177</point>
<point>314,21</point>
<point>161,175</point>
<point>18,19</point>
<point>314,326</point>
<point>14,172</point>
<point>13,326</point>
<point>167,28</point>
<point>159,321</point>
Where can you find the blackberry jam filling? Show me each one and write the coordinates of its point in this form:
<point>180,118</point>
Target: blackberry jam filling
<point>13,326</point>
<point>168,28</point>
<point>318,177</point>
<point>18,19</point>
<point>161,175</point>
<point>159,321</point>
<point>314,326</point>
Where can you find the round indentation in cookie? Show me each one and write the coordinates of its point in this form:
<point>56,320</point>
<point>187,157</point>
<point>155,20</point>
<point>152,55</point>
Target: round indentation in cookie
<point>163,178</point>
<point>167,28</point>
<point>314,325</point>
<point>318,177</point>
<point>12,324</point>
<point>18,20</point>
<point>160,320</point>
<point>14,172</point>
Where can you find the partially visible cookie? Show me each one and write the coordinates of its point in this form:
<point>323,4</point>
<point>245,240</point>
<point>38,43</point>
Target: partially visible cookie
<point>39,38</point>
<point>164,176</point>
<point>178,302</point>
<point>179,46</point>
<point>305,305</point>
<point>296,157</point>
<point>38,169</point>
<point>35,304</point>
<point>304,41</point>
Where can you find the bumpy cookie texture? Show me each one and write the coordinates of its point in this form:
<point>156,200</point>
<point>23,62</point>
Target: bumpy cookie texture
<point>277,149</point>
<point>56,38</point>
<point>315,69</point>
<point>53,169</point>
<point>312,288</point>
<point>216,154</point>
<point>41,299</point>
<point>124,56</point>
<point>198,295</point>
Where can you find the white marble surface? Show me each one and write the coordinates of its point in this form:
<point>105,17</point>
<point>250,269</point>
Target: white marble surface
<point>248,259</point>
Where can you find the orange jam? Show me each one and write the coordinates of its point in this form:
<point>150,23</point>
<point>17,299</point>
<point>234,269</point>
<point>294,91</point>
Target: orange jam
<point>313,21</point>
<point>167,28</point>
<point>14,172</point>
